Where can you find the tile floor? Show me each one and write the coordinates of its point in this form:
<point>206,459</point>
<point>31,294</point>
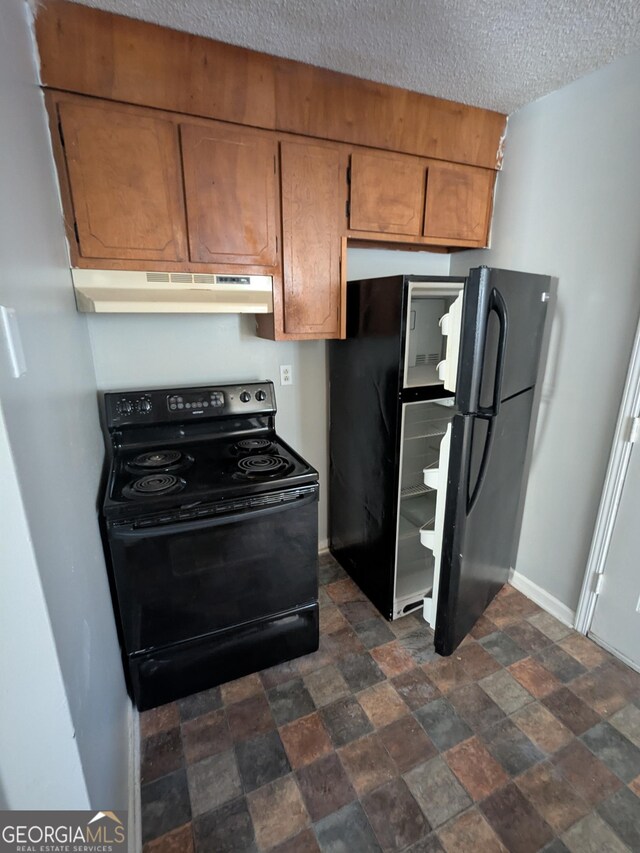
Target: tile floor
<point>527,739</point>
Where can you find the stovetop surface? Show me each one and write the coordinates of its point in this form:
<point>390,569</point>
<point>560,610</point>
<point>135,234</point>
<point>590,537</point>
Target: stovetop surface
<point>200,470</point>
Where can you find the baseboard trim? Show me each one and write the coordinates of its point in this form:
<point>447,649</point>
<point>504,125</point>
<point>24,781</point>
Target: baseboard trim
<point>323,545</point>
<point>135,822</point>
<point>543,598</point>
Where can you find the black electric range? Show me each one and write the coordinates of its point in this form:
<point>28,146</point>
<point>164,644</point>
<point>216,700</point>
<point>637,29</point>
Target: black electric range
<point>210,523</point>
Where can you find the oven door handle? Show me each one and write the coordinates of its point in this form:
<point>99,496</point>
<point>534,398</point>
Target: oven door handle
<point>189,526</point>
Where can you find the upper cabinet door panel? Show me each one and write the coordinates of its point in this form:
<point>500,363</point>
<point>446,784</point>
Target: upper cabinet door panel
<point>387,193</point>
<point>458,204</point>
<point>123,166</point>
<point>314,194</point>
<point>231,192</point>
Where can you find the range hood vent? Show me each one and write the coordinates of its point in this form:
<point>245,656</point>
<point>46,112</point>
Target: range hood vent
<point>118,292</point>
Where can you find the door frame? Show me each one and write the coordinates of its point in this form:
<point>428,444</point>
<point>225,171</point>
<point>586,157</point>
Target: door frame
<point>627,433</point>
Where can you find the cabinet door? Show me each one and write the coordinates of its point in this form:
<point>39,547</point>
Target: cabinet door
<point>387,193</point>
<point>230,189</point>
<point>314,194</point>
<point>124,175</point>
<point>458,203</point>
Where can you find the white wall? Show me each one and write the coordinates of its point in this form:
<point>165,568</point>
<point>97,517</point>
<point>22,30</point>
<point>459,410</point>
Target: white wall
<point>568,204</point>
<point>146,351</point>
<point>37,747</point>
<point>56,449</point>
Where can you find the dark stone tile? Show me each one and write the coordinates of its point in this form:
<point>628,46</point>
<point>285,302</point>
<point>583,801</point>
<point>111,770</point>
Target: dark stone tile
<point>428,844</point>
<point>325,786</point>
<point>373,632</point>
<point>393,659</point>
<point>329,571</point>
<point>572,712</point>
<point>534,677</point>
<point>556,845</point>
<point>443,725</point>
<point>406,625</point>
<point>261,759</point>
<point>593,835</point>
<point>584,650</point>
<point>228,829</point>
<point>527,637</point>
<point>470,833</point>
<point>614,749</point>
<point>560,663</point>
<point>511,747</point>
<point>200,703</point>
<point>483,627</point>
<point>326,685</point>
<point>437,791</point>
<point>475,707</point>
<point>345,721</point>
<point>345,590</point>
<point>505,650</point>
<point>213,781</point>
<point>165,804</point>
<point>406,743</point>
<point>447,673</point>
<point>588,775</point>
<point>420,645</point>
<point>622,813</point>
<point>280,674</point>
<point>340,644</point>
<point>367,763</point>
<point>395,816</point>
<point>305,740</point>
<point>250,717</point>
<point>476,769</point>
<point>505,691</point>
<point>205,736</point>
<point>360,671</point>
<point>177,841</point>
<point>304,842</point>
<point>548,792</point>
<point>161,753</point>
<point>515,821</point>
<point>627,721</point>
<point>277,811</point>
<point>415,688</point>
<point>290,701</point>
<point>241,688</point>
<point>550,626</point>
<point>346,830</point>
<point>357,612</point>
<point>477,661</point>
<point>542,728</point>
<point>159,719</point>
<point>606,689</point>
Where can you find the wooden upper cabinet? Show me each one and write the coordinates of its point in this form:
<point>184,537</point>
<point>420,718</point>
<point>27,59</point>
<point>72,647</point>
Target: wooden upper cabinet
<point>387,193</point>
<point>124,176</point>
<point>459,201</point>
<point>314,196</point>
<point>231,194</point>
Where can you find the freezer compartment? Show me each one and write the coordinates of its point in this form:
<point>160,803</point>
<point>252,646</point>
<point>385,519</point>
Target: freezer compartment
<point>432,339</point>
<point>424,425</point>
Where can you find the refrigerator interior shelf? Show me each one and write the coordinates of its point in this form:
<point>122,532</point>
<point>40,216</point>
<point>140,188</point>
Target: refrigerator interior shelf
<point>426,429</point>
<point>414,583</point>
<point>419,510</point>
<point>412,491</point>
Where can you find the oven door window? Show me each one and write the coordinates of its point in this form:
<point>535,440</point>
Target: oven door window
<point>191,579</point>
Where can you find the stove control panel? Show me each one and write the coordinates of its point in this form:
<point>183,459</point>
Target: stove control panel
<point>185,404</point>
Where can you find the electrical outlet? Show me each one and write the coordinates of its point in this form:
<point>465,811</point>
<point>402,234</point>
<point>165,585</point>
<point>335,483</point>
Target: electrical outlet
<point>286,374</point>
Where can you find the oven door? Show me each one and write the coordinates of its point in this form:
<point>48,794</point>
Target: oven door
<point>191,578</point>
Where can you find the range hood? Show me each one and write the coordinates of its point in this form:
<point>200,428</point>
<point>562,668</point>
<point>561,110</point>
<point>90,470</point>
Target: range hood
<point>118,292</point>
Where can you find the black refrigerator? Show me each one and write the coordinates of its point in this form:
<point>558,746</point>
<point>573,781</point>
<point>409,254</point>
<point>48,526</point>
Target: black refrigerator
<point>431,398</point>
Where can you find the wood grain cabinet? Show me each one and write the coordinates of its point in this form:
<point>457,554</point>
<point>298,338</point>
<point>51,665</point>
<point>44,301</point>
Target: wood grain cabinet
<point>123,166</point>
<point>387,193</point>
<point>314,196</point>
<point>230,178</point>
<point>458,203</point>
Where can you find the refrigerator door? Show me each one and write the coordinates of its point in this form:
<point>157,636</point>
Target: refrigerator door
<point>501,335</point>
<point>485,479</point>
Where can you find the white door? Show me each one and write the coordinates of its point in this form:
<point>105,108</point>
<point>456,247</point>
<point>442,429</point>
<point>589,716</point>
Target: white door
<point>616,620</point>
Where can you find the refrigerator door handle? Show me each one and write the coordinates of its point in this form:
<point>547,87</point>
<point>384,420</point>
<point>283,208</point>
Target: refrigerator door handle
<point>486,454</point>
<point>497,305</point>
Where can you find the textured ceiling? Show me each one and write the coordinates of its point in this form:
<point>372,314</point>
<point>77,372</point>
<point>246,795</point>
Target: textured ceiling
<point>498,54</point>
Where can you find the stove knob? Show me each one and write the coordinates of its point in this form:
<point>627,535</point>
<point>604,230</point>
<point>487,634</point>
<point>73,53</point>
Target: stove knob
<point>245,396</point>
<point>125,407</point>
<point>261,395</point>
<point>145,406</point>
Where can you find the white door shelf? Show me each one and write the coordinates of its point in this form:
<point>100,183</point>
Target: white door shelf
<point>450,327</point>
